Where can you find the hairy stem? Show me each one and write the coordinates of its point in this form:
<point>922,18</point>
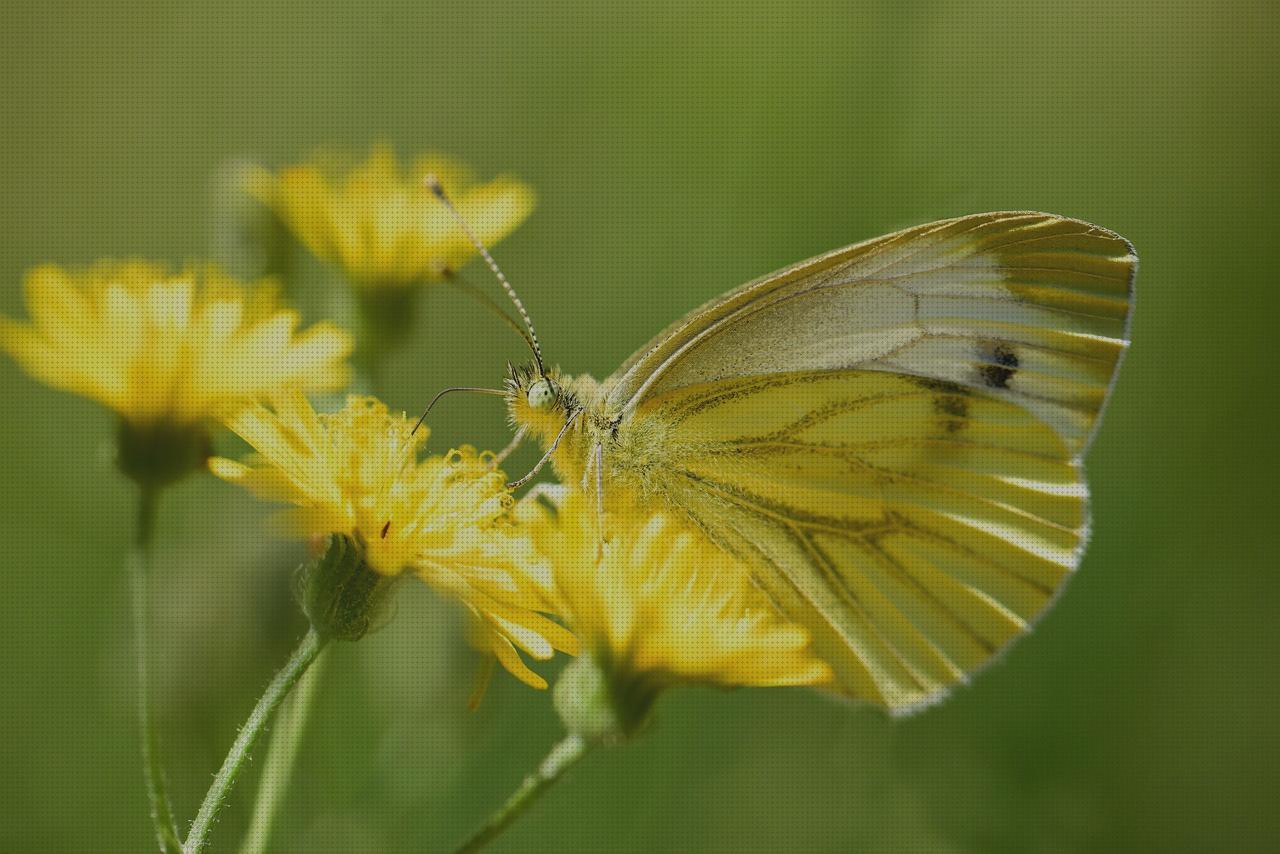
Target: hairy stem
<point>562,757</point>
<point>139,561</point>
<point>282,755</point>
<point>252,730</point>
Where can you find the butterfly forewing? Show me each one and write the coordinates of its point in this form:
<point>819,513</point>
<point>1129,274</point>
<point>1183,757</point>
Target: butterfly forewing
<point>891,434</point>
<point>1029,307</point>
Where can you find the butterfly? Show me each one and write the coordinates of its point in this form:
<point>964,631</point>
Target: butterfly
<point>890,436</point>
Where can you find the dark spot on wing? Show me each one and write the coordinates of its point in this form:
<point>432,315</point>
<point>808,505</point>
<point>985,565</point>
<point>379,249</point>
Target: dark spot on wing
<point>995,376</point>
<point>1000,364</point>
<point>954,409</point>
<point>951,405</point>
<point>1004,355</point>
<point>945,386</point>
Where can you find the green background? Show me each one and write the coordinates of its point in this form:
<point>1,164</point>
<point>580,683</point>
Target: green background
<point>678,150</point>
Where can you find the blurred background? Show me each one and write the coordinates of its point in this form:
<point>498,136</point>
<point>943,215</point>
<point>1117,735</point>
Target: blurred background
<point>678,150</point>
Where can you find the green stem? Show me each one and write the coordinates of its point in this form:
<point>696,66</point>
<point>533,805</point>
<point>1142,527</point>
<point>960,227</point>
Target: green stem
<point>282,755</point>
<point>253,728</point>
<point>562,757</point>
<point>139,560</point>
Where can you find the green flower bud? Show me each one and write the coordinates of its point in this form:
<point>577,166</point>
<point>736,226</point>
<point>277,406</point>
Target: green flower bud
<point>340,594</point>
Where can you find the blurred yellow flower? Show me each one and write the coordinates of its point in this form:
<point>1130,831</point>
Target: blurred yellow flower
<point>168,347</point>
<point>379,222</point>
<point>356,472</point>
<point>658,603</point>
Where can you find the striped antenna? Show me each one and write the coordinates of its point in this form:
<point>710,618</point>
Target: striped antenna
<point>433,184</point>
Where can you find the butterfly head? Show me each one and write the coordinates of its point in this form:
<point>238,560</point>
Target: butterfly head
<point>540,400</point>
<point>543,393</point>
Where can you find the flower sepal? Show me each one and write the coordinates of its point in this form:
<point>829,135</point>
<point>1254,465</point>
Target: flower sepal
<point>340,594</point>
<point>601,704</point>
<point>161,452</point>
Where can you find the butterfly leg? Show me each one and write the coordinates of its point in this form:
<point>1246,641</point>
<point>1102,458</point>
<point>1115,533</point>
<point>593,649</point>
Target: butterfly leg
<point>599,463</point>
<point>515,442</point>
<point>600,526</point>
<point>547,456</point>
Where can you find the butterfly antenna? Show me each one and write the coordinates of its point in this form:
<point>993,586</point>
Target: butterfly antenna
<point>495,392</point>
<point>433,184</point>
<point>453,280</point>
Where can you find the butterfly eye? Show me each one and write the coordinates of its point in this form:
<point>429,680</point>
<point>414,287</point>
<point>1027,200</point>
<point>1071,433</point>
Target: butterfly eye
<point>543,394</point>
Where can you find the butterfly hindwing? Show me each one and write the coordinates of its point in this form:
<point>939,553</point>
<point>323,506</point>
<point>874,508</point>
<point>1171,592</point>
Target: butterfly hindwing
<point>915,526</point>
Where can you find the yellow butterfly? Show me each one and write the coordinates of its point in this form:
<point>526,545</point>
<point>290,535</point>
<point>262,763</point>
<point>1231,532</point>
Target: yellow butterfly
<point>890,435</point>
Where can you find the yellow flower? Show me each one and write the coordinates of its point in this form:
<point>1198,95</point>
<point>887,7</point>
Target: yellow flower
<point>658,603</point>
<point>381,224</point>
<point>356,473</point>
<point>161,347</point>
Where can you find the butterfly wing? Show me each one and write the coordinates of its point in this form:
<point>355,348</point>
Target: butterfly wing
<point>1031,307</point>
<point>914,527</point>
<point>891,436</point>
